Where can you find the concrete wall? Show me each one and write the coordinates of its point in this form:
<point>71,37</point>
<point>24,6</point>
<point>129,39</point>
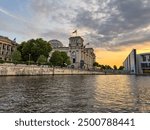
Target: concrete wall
<point>14,70</point>
<point>130,63</point>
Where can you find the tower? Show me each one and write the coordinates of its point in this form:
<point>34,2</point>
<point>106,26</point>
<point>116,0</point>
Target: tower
<point>75,48</point>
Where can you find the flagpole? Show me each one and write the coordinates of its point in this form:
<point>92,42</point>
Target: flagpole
<point>75,32</point>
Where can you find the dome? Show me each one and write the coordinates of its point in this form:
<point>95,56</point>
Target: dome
<point>55,43</point>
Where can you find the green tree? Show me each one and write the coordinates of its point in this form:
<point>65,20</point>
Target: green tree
<point>115,67</point>
<point>108,67</point>
<point>96,64</point>
<point>1,61</point>
<point>33,49</point>
<point>121,67</point>
<point>66,59</point>
<point>16,56</point>
<point>56,59</point>
<point>42,60</point>
<point>103,67</point>
<point>60,59</point>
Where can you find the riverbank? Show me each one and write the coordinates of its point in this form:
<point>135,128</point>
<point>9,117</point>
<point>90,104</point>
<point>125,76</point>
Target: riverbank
<point>31,70</point>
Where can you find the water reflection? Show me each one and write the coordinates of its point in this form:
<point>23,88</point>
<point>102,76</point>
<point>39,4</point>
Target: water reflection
<point>82,93</point>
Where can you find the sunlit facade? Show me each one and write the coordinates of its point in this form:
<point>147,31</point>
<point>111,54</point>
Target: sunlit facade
<point>80,56</point>
<point>7,46</point>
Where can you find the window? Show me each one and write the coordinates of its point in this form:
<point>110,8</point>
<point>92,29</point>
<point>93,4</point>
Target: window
<point>74,60</point>
<point>144,58</point>
<point>143,65</point>
<point>149,58</point>
<point>73,54</point>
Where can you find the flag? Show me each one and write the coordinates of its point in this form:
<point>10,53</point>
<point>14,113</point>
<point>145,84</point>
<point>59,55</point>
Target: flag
<point>74,31</point>
<point>14,40</point>
<point>88,43</point>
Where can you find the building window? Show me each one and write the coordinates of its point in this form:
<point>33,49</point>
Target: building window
<point>149,58</point>
<point>144,58</point>
<point>73,54</point>
<point>74,60</point>
<point>145,65</point>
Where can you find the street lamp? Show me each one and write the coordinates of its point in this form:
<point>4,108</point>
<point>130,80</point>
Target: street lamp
<point>29,58</point>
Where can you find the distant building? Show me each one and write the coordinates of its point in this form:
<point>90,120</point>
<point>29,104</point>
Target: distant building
<point>80,56</point>
<point>7,46</point>
<point>137,63</point>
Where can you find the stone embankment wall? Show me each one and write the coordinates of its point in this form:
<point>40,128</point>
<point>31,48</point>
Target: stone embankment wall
<point>16,70</point>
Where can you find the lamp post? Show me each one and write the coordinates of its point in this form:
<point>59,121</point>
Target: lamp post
<point>29,58</point>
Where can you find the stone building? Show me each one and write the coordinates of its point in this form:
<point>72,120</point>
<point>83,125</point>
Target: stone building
<point>80,56</point>
<point>7,46</point>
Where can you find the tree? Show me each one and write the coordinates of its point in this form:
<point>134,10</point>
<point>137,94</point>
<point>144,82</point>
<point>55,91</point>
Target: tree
<point>115,67</point>
<point>56,59</point>
<point>16,56</point>
<point>42,60</point>
<point>60,59</point>
<point>103,67</point>
<point>66,59</point>
<point>108,67</point>
<point>33,49</point>
<point>121,67</point>
<point>96,64</point>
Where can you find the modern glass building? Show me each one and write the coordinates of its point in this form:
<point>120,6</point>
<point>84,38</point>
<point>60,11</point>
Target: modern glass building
<point>137,63</point>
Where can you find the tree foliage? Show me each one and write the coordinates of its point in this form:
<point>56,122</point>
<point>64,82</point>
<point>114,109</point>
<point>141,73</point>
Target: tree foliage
<point>121,67</point>
<point>56,59</point>
<point>102,67</point>
<point>42,60</point>
<point>115,67</point>
<point>96,64</point>
<point>34,48</point>
<point>60,59</point>
<point>16,56</point>
<point>66,59</point>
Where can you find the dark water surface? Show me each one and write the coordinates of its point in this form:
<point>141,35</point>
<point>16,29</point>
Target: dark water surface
<point>80,93</point>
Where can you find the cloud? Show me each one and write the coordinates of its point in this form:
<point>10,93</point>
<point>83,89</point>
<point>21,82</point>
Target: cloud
<point>115,23</point>
<point>108,24</point>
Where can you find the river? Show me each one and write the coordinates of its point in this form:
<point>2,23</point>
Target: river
<point>75,93</point>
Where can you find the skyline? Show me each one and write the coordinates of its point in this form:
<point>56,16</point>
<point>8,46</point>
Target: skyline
<point>113,27</point>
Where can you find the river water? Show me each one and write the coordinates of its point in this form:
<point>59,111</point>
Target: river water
<point>78,93</point>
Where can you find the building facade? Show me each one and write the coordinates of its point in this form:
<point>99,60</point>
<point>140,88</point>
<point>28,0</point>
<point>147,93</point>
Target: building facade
<point>80,56</point>
<point>130,62</point>
<point>143,65</point>
<point>7,46</point>
<point>137,63</point>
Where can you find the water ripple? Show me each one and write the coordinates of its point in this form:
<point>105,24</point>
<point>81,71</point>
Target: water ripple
<point>82,93</point>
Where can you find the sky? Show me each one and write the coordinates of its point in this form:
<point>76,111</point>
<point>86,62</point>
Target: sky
<point>112,27</point>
